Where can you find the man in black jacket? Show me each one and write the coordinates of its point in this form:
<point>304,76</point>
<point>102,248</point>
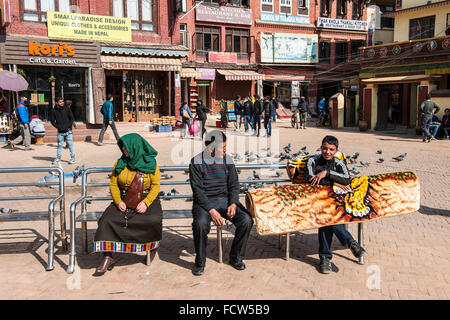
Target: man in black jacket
<point>256,114</point>
<point>202,116</point>
<point>238,109</point>
<point>303,109</point>
<point>215,187</point>
<point>268,111</point>
<point>248,107</point>
<point>327,170</point>
<point>61,117</point>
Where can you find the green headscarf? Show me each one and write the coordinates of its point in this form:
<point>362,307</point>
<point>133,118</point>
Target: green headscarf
<point>142,154</point>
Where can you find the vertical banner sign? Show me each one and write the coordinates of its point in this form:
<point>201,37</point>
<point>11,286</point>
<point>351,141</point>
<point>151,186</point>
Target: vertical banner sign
<point>62,25</point>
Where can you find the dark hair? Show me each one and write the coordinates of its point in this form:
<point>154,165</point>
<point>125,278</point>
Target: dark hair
<point>238,97</point>
<point>212,136</point>
<point>256,96</point>
<point>428,96</point>
<point>109,96</point>
<point>59,99</point>
<point>200,101</point>
<point>184,103</point>
<point>447,109</point>
<point>68,102</point>
<point>331,140</point>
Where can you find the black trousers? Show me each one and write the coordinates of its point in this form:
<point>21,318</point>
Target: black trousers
<point>202,225</point>
<point>257,123</point>
<point>104,127</point>
<point>203,122</point>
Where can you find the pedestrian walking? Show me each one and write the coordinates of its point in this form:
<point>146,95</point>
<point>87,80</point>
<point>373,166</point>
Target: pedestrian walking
<point>215,187</point>
<point>238,110</point>
<point>23,118</point>
<point>61,117</point>
<point>275,107</point>
<point>133,221</point>
<point>107,111</point>
<point>268,112</point>
<point>186,117</point>
<point>258,108</point>
<point>303,109</point>
<point>202,116</point>
<point>247,111</point>
<point>428,108</point>
<point>445,124</point>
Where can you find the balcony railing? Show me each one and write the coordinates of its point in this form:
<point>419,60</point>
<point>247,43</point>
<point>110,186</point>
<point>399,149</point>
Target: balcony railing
<point>412,48</point>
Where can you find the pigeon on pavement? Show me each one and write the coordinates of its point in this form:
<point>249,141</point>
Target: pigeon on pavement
<point>380,160</point>
<point>364,163</point>
<point>379,151</point>
<point>166,176</point>
<point>256,175</point>
<point>400,157</point>
<point>278,173</point>
<point>355,156</point>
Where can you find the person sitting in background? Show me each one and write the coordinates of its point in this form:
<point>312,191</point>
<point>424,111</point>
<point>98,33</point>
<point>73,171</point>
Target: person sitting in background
<point>37,128</point>
<point>445,124</point>
<point>434,126</point>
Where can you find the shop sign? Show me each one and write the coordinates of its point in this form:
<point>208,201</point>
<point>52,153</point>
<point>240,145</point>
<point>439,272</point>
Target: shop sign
<point>46,54</point>
<point>206,74</point>
<point>358,25</point>
<point>225,14</point>
<point>282,18</point>
<point>62,25</point>
<point>289,48</point>
<point>223,57</point>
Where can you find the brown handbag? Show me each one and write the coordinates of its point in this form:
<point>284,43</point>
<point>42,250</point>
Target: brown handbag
<point>134,193</point>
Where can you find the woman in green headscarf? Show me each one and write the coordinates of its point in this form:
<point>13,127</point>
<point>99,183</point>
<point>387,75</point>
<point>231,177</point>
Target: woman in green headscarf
<point>125,230</point>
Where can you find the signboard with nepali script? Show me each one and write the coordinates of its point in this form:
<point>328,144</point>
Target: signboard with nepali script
<point>231,15</point>
<point>357,25</point>
<point>289,48</point>
<point>62,25</point>
<point>223,57</point>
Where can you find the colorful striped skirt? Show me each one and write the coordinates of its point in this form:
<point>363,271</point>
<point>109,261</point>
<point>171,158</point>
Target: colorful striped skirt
<point>142,232</point>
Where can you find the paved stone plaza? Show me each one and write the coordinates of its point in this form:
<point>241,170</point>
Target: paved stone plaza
<point>408,256</point>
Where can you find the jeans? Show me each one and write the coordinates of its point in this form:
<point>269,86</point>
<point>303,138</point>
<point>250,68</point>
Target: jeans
<point>268,125</point>
<point>201,226</point>
<point>326,237</point>
<point>435,129</point>
<point>247,121</point>
<point>185,129</point>
<point>68,137</point>
<point>24,136</point>
<point>237,124</point>
<point>104,127</point>
<point>303,118</point>
<point>38,134</point>
<point>257,123</point>
<point>274,115</point>
<point>426,121</point>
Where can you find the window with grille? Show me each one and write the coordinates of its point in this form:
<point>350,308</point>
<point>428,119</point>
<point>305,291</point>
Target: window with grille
<point>324,52</point>
<point>286,6</point>
<point>141,13</point>
<point>341,9</point>
<point>238,40</point>
<point>358,9</point>
<point>267,5</point>
<point>184,35</point>
<point>421,28</point>
<point>206,39</point>
<point>239,3</point>
<point>354,47</point>
<point>325,8</point>
<point>303,7</point>
<point>341,52</point>
<point>36,10</point>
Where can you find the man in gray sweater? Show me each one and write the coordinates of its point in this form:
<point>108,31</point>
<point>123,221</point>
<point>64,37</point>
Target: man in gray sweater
<point>428,109</point>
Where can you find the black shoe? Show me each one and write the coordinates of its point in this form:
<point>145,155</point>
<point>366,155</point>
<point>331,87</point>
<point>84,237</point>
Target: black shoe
<point>198,270</point>
<point>238,265</point>
<point>325,265</point>
<point>357,250</point>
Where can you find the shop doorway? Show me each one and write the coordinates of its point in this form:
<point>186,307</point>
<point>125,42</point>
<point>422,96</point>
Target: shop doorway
<point>389,113</point>
<point>114,87</point>
<point>204,89</point>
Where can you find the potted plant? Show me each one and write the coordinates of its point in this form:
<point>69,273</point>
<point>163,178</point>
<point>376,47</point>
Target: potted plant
<point>362,124</point>
<point>21,72</point>
<point>52,80</point>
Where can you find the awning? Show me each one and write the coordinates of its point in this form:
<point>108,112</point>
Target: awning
<point>140,63</point>
<point>284,77</point>
<point>190,73</point>
<point>402,79</point>
<point>241,75</point>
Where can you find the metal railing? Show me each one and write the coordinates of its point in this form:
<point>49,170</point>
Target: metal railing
<point>35,216</point>
<point>86,198</point>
